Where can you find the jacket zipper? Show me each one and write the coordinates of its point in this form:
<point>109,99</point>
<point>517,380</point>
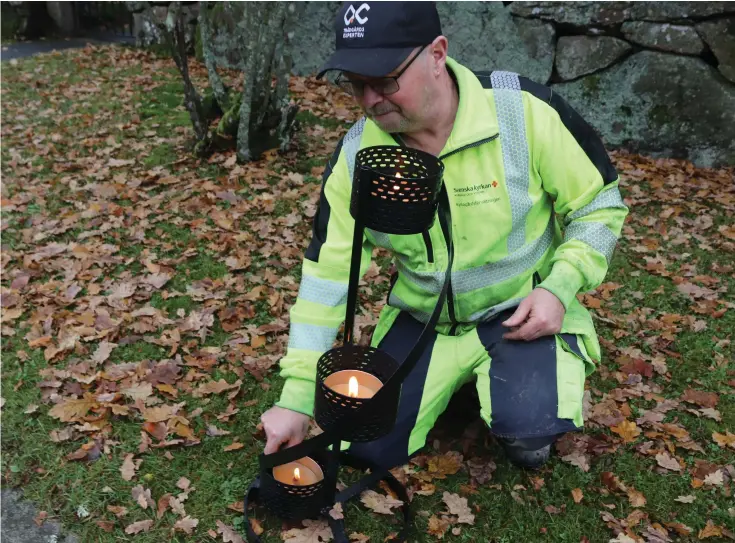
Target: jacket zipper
<point>445,230</point>
<point>445,227</point>
<point>429,247</point>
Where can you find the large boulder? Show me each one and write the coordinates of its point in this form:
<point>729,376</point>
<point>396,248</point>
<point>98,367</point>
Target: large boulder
<point>584,14</point>
<point>577,13</point>
<point>665,37</point>
<point>483,36</point>
<point>540,40</point>
<point>720,36</point>
<point>580,55</point>
<point>660,104</point>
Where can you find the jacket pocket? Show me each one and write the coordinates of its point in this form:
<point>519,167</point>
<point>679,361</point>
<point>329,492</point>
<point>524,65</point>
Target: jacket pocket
<point>570,377</point>
<point>429,246</point>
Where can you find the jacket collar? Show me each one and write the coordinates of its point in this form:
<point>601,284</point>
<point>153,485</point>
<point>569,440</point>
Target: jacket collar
<point>475,120</point>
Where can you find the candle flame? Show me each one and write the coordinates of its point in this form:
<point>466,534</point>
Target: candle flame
<point>352,387</point>
<point>398,174</point>
<point>296,474</point>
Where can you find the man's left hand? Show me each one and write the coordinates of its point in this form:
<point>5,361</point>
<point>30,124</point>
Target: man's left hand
<point>540,314</point>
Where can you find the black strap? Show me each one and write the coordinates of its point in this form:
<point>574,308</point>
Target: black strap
<point>325,439</point>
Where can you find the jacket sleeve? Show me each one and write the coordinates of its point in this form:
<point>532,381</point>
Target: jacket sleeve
<point>578,175</point>
<point>320,306</point>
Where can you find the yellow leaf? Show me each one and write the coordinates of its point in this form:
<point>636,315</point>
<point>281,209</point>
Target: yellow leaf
<point>724,440</point>
<point>72,410</point>
<point>710,530</point>
<point>234,446</point>
<point>627,430</point>
<point>577,495</point>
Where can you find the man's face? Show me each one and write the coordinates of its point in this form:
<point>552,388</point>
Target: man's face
<point>405,109</point>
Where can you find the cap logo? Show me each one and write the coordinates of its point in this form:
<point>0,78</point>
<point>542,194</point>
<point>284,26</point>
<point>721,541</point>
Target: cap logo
<point>351,14</point>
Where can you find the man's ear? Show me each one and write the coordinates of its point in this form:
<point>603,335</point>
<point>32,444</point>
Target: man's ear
<point>438,51</point>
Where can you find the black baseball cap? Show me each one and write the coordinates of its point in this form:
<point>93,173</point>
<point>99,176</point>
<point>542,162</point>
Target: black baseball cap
<point>373,38</point>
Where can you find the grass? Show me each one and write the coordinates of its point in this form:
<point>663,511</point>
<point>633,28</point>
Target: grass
<point>174,226</point>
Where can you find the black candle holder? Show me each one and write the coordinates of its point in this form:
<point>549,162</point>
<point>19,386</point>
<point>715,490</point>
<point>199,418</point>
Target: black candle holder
<point>292,502</point>
<point>395,190</point>
<point>329,406</point>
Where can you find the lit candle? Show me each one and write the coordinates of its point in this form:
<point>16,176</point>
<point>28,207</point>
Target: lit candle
<point>353,383</point>
<point>302,472</point>
<point>397,187</point>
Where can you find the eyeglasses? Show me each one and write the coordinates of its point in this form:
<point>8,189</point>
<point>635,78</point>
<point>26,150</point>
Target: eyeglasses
<point>381,85</point>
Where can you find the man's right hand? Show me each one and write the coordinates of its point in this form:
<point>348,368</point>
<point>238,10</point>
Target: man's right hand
<point>283,426</point>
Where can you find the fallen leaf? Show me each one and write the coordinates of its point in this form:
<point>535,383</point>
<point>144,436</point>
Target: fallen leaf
<point>724,440</point>
<point>636,499</point>
<point>577,495</point>
<point>163,504</point>
<point>627,430</point>
<point>106,525</point>
<point>229,534</point>
<point>356,537</point>
<point>577,459</point>
<point>336,511</point>
<point>710,530</point>
<point>701,398</point>
<point>437,526</point>
<point>315,531</point>
<point>234,446</point>
<point>72,410</point>
<point>186,525</point>
<point>715,479</point>
<point>255,526</point>
<point>665,460</point>
<point>442,465</point>
<point>128,468</point>
<point>183,483</point>
<point>213,431</point>
<point>117,510</point>
<point>685,499</point>
<point>379,503</point>
<point>140,526</point>
<point>143,497</point>
<point>458,506</point>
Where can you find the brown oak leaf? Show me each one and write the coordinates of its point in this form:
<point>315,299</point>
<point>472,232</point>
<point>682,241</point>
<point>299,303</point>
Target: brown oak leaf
<point>315,531</point>
<point>229,534</point>
<point>458,506</point>
<point>379,503</point>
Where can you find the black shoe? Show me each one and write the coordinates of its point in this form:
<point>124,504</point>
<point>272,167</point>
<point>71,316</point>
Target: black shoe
<point>526,453</point>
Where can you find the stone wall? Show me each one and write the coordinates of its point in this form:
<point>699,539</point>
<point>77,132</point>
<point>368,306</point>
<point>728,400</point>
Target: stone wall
<point>653,77</point>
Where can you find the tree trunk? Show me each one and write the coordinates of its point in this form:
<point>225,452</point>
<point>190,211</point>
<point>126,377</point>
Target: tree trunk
<point>218,88</point>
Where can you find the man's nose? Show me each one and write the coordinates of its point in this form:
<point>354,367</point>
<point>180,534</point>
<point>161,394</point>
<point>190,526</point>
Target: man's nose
<point>370,97</point>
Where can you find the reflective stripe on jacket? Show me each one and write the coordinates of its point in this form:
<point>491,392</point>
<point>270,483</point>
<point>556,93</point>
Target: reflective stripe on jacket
<point>534,202</point>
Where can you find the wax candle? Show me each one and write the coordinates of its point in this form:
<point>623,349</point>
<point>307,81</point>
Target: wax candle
<point>301,472</point>
<point>354,383</point>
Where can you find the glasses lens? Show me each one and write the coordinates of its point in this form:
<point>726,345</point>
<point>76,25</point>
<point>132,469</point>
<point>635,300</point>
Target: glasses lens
<point>385,86</point>
<point>350,87</point>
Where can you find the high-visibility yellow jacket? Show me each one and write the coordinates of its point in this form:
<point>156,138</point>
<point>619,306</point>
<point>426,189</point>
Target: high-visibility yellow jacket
<point>534,202</point>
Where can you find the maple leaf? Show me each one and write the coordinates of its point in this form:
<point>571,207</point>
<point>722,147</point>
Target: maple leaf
<point>128,468</point>
<point>229,534</point>
<point>73,410</point>
<point>665,460</point>
<point>710,530</point>
<point>438,526</point>
<point>379,503</point>
<point>315,531</point>
<point>627,430</point>
<point>458,506</point>
<point>137,527</point>
<point>186,525</point>
<point>577,495</point>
